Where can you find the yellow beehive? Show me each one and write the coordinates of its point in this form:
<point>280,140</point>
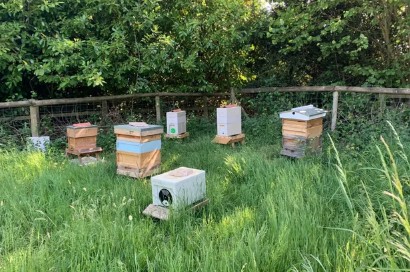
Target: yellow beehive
<point>82,137</point>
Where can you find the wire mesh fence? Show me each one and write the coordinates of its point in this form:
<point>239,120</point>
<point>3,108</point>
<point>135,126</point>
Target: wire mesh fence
<point>356,112</point>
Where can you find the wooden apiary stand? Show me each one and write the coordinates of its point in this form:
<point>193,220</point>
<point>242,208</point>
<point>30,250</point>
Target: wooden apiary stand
<point>301,131</point>
<point>163,213</point>
<point>138,149</point>
<point>177,189</point>
<point>229,125</point>
<point>240,138</point>
<point>176,125</point>
<point>82,141</point>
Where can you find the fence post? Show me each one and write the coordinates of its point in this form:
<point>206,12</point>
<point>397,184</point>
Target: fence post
<point>205,101</point>
<point>233,97</point>
<point>34,119</point>
<point>334,110</point>
<point>382,104</point>
<point>104,108</point>
<point>158,109</point>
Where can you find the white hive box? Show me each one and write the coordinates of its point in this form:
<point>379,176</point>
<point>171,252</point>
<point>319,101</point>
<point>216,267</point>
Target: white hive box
<point>229,129</point>
<point>229,121</point>
<point>178,188</point>
<point>176,122</point>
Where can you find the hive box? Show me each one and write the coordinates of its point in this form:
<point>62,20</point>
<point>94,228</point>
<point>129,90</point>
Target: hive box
<point>228,115</point>
<point>229,129</point>
<point>229,121</point>
<point>136,147</point>
<point>178,188</point>
<point>308,129</point>
<point>84,137</point>
<point>297,147</point>
<point>39,143</point>
<point>176,122</point>
<point>148,160</point>
<point>138,130</point>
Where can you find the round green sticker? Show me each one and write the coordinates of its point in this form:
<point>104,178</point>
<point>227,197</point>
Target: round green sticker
<point>173,130</point>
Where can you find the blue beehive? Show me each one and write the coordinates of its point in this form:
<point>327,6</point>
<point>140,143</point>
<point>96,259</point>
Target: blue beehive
<point>138,149</point>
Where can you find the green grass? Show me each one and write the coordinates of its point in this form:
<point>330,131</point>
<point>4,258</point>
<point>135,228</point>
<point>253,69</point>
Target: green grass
<point>266,213</point>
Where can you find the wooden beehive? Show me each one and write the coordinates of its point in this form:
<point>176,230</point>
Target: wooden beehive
<point>301,130</point>
<point>138,149</point>
<point>82,137</point>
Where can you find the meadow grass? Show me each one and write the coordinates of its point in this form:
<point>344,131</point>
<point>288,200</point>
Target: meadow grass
<point>343,211</point>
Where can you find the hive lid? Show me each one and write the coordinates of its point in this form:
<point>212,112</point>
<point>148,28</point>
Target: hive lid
<point>137,128</point>
<point>138,124</point>
<point>181,172</point>
<point>81,125</point>
<point>177,175</point>
<point>304,113</point>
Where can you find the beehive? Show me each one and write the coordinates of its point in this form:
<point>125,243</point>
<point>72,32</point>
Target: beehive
<point>81,137</point>
<point>178,188</point>
<point>301,131</point>
<point>229,120</point>
<point>138,149</point>
<point>176,122</point>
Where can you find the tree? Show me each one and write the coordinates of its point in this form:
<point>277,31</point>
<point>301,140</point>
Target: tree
<point>339,41</point>
<point>76,48</point>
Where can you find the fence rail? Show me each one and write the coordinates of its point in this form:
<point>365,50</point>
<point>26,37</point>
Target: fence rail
<point>336,90</point>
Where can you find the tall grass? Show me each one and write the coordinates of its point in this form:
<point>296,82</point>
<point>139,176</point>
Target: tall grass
<point>266,212</point>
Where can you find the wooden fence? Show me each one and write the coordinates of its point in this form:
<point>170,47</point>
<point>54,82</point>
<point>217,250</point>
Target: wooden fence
<point>34,105</point>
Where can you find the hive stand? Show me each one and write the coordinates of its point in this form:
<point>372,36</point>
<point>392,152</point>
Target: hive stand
<point>163,213</point>
<point>239,138</point>
<point>137,172</point>
<point>80,153</point>
<point>177,136</point>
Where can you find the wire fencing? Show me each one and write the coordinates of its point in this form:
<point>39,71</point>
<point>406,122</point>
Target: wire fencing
<point>356,111</point>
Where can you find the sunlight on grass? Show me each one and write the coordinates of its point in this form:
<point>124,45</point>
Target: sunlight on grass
<point>235,222</point>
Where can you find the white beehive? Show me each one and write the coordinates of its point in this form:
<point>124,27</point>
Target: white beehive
<point>178,188</point>
<point>229,121</point>
<point>176,122</point>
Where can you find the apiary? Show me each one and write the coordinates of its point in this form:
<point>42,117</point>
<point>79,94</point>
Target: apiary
<point>302,131</point>
<point>138,149</point>
<point>176,124</point>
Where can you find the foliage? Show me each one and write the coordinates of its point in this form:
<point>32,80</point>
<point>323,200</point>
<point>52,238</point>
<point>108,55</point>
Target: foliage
<point>71,48</point>
<point>341,42</point>
<point>52,49</point>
